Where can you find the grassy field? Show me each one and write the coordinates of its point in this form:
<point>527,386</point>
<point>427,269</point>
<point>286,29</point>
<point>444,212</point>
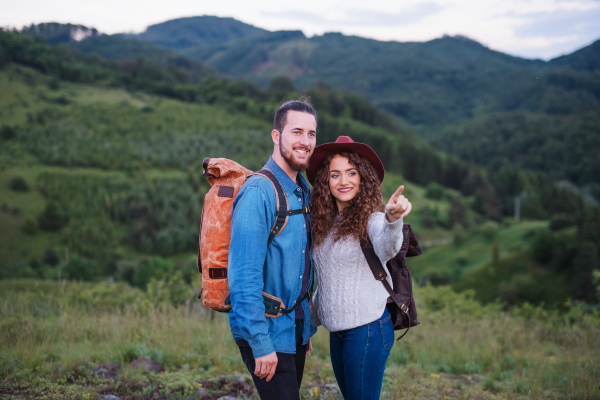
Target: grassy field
<point>55,334</point>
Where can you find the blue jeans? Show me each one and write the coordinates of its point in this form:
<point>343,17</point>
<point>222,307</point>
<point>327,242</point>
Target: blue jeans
<point>358,357</point>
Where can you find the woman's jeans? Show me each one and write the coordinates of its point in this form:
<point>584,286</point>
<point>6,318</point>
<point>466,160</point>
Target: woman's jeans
<point>358,357</point>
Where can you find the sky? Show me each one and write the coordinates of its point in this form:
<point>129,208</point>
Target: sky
<point>527,28</point>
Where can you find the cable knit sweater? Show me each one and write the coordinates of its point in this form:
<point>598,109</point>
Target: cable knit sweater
<point>348,295</point>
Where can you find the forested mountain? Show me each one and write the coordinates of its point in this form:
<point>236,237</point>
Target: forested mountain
<point>184,33</point>
<point>452,91</point>
<point>54,32</point>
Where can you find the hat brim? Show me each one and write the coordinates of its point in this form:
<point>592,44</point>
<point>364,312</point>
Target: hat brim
<point>324,150</point>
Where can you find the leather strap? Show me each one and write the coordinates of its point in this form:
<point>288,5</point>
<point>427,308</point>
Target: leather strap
<point>282,205</point>
<point>303,210</point>
<point>380,274</point>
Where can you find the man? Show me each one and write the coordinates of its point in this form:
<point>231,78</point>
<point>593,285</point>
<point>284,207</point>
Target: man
<point>274,349</point>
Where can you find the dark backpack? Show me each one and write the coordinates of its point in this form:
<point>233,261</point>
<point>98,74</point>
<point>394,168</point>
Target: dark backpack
<point>401,303</point>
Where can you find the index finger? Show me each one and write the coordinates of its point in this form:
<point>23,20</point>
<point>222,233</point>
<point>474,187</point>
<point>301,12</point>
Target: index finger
<point>397,193</point>
<point>272,372</point>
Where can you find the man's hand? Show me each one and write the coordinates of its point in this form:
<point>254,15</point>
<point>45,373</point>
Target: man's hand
<point>398,206</point>
<point>265,366</point>
<point>309,347</point>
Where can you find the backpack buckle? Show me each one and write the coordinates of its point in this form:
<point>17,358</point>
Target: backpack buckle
<point>404,308</point>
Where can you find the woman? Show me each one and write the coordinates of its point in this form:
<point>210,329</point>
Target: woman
<point>347,205</point>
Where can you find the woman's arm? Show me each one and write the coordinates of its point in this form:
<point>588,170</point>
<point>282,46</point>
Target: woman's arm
<point>386,236</point>
<point>385,232</point>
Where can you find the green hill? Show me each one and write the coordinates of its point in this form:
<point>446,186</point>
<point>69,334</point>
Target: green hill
<point>562,145</point>
<point>100,171</point>
<point>183,33</point>
<point>438,88</point>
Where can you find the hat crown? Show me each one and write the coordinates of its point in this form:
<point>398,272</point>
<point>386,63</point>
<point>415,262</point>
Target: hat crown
<point>344,139</point>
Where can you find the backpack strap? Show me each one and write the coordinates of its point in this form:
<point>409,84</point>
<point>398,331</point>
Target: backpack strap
<point>283,207</point>
<point>380,274</point>
<point>273,307</point>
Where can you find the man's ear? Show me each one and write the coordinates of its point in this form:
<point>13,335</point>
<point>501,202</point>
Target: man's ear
<point>275,136</point>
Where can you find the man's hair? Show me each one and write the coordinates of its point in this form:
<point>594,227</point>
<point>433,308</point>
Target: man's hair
<point>302,105</point>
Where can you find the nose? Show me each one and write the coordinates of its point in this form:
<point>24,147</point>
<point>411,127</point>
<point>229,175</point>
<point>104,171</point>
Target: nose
<point>343,179</point>
<point>304,141</point>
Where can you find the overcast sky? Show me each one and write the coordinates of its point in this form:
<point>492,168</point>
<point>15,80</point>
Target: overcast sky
<point>527,28</point>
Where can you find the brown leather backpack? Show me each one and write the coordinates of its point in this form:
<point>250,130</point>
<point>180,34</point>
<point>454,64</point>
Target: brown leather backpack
<point>226,178</point>
<point>401,303</point>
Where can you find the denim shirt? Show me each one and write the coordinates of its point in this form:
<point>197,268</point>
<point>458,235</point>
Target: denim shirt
<point>276,269</point>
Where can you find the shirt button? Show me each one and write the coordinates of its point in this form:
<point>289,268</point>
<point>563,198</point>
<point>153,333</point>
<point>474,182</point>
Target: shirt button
<point>299,199</point>
<point>300,276</point>
<point>303,251</point>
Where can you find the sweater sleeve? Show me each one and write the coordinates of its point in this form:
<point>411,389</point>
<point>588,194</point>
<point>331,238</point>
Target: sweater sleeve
<point>385,236</point>
<point>314,315</point>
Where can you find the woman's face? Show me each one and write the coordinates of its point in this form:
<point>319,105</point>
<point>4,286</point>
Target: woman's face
<point>344,181</point>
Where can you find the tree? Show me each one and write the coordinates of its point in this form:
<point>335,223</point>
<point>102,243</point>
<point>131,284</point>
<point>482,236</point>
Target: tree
<point>458,212</point>
<point>50,257</point>
<point>584,265</point>
<point>51,219</point>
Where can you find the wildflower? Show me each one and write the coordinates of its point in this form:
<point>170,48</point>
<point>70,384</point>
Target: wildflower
<point>436,376</point>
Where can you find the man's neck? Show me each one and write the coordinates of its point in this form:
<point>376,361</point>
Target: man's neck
<point>280,161</point>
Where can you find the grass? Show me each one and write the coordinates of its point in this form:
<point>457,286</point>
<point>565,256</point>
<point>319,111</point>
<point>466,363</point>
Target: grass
<point>54,335</point>
<point>475,251</point>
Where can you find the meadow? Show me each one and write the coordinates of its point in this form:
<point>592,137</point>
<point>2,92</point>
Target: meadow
<point>57,335</point>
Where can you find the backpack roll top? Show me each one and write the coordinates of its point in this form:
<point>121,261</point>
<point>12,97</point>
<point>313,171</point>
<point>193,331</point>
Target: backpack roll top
<point>226,177</point>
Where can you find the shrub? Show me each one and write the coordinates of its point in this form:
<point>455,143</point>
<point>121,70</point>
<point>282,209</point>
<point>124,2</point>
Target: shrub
<point>80,269</point>
<point>50,257</point>
<point>561,221</point>
<point>8,132</point>
<point>30,226</point>
<point>427,219</point>
<point>171,289</point>
<point>488,232</point>
<point>434,191</point>
<point>19,184</point>
<point>54,83</point>
<point>542,246</point>
<point>152,267</point>
<point>51,219</point>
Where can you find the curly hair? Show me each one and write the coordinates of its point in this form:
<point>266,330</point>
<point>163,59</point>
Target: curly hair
<point>355,215</point>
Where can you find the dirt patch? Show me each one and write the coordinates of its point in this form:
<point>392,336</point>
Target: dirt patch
<point>214,389</point>
<point>108,371</point>
<point>148,365</point>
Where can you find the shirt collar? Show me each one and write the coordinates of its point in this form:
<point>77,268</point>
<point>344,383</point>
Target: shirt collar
<point>286,182</point>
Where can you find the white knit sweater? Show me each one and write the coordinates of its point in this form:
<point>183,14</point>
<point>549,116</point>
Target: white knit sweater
<point>348,295</point>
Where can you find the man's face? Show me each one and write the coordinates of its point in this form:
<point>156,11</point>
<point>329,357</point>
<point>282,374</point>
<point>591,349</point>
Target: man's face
<point>298,139</point>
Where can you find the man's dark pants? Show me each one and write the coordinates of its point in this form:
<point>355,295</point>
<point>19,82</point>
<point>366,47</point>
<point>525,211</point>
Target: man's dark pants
<point>285,384</point>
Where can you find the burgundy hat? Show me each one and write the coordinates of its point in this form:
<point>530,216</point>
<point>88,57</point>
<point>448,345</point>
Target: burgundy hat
<point>343,144</point>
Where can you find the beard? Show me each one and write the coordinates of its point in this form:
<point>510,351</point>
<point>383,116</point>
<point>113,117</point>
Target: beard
<point>289,158</point>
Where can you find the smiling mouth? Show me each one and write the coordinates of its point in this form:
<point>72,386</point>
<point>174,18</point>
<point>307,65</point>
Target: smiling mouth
<point>344,190</point>
<point>301,152</point>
